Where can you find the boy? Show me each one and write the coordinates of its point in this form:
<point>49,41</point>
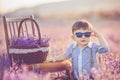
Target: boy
<point>83,51</point>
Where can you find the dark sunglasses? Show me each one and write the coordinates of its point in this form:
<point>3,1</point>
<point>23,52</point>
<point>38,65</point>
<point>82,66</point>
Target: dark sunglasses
<point>80,34</point>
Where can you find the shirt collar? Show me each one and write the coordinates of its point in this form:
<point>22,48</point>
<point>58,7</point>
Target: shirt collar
<point>89,44</point>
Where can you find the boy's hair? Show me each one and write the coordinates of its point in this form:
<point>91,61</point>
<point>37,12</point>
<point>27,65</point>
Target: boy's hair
<point>82,24</point>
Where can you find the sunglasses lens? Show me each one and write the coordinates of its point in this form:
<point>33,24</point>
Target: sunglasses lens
<point>78,35</point>
<point>87,34</point>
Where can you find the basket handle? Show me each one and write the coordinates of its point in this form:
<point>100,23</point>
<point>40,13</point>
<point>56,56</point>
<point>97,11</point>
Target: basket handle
<point>20,25</point>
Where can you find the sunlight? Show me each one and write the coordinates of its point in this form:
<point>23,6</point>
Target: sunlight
<point>10,5</point>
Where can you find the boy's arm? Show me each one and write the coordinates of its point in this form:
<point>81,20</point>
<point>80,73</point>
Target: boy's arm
<point>101,39</point>
<point>56,58</point>
<point>66,55</point>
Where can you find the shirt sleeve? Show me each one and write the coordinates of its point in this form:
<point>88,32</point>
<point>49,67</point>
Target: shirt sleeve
<point>100,49</point>
<point>68,53</point>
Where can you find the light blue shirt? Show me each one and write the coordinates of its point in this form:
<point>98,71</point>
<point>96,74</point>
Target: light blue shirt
<point>81,58</point>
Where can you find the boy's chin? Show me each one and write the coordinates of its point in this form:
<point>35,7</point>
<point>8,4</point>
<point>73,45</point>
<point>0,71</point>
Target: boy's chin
<point>84,43</point>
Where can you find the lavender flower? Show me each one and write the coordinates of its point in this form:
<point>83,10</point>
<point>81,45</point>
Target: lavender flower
<point>29,42</point>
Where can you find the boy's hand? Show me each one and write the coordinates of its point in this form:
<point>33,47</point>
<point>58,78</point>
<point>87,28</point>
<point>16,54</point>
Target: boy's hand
<point>50,60</point>
<point>101,39</point>
<point>95,33</point>
<point>56,58</point>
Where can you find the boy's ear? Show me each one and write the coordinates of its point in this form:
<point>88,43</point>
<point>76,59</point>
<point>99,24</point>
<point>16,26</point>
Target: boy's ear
<point>72,37</point>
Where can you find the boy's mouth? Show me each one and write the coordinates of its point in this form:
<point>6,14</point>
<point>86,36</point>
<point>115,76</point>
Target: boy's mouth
<point>83,40</point>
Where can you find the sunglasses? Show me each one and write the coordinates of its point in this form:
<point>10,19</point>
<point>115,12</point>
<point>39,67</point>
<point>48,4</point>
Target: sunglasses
<point>80,34</point>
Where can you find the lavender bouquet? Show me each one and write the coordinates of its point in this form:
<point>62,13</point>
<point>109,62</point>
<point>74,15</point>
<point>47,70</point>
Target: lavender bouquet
<point>29,50</point>
<point>29,42</point>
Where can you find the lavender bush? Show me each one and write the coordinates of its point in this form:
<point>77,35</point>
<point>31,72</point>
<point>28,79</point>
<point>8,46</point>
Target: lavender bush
<point>21,74</point>
<point>4,64</point>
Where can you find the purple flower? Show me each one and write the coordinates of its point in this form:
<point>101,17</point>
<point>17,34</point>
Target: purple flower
<point>29,42</point>
<point>4,62</point>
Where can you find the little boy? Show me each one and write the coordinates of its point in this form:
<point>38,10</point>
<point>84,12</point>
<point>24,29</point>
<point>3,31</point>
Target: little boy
<point>83,51</point>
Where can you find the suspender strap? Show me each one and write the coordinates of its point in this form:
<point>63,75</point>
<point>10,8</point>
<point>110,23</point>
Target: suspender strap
<point>92,60</point>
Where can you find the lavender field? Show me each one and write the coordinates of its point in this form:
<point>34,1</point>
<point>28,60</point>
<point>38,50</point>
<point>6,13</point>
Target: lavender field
<point>55,21</point>
<point>109,63</point>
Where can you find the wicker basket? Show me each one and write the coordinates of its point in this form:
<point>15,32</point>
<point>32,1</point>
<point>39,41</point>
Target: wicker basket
<point>31,54</point>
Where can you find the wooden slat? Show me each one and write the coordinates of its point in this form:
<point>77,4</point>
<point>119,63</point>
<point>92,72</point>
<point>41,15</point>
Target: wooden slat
<point>32,24</point>
<point>13,26</point>
<point>22,31</point>
<point>10,29</point>
<point>6,37</point>
<point>26,29</point>
<point>17,25</point>
<point>16,19</point>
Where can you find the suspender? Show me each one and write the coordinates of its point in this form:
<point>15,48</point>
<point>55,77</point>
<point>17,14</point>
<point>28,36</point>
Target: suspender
<point>92,60</point>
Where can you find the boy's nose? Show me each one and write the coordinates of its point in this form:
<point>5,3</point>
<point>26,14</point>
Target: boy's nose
<point>83,36</point>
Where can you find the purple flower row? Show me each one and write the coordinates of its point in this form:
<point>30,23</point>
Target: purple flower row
<point>29,42</point>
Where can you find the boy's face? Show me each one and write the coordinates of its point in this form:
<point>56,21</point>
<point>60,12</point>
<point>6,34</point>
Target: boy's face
<point>81,36</point>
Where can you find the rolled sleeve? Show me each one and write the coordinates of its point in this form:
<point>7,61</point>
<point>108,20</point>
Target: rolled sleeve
<point>100,49</point>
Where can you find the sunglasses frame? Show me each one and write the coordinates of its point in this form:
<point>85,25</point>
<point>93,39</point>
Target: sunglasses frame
<point>86,34</point>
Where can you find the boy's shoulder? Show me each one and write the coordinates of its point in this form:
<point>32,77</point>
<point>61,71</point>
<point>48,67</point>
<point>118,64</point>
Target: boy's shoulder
<point>73,45</point>
<point>92,44</point>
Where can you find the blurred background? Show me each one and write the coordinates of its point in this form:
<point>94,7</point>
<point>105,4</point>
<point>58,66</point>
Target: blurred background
<point>55,17</point>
